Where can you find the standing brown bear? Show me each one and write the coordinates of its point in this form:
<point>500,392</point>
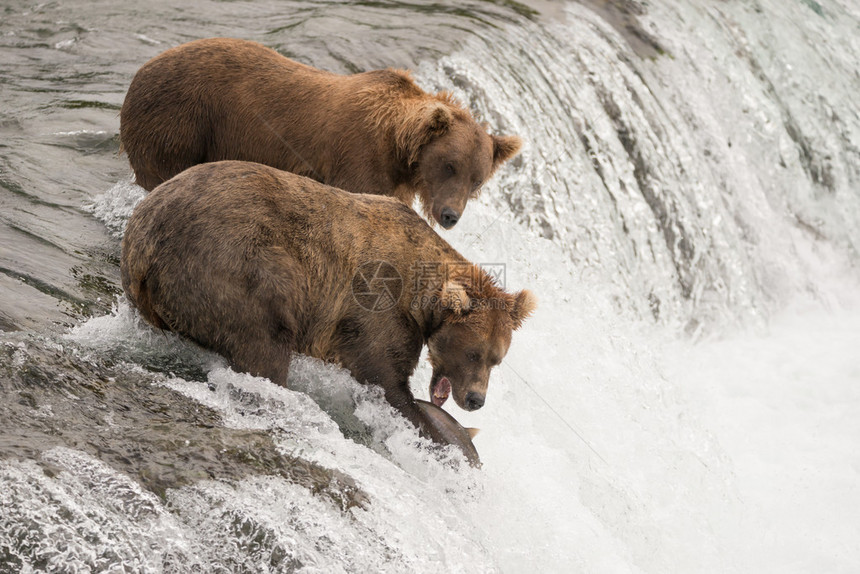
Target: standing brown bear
<point>375,132</point>
<point>255,263</point>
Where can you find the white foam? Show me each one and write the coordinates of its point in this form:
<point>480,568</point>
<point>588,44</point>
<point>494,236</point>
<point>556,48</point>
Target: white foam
<point>115,206</point>
<point>607,443</point>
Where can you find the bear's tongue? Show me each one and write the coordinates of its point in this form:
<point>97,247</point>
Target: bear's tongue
<point>440,391</point>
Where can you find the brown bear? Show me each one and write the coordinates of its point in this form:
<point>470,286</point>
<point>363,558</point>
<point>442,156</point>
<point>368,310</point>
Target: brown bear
<point>255,263</point>
<point>375,132</point>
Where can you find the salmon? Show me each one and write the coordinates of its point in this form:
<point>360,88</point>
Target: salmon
<point>452,431</point>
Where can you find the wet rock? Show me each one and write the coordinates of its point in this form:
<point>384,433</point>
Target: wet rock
<point>51,396</point>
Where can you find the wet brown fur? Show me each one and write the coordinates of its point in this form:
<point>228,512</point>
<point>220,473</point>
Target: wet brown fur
<point>375,132</point>
<point>256,263</point>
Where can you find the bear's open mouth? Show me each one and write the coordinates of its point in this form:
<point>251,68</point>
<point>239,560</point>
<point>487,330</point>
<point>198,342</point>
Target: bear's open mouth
<point>439,391</point>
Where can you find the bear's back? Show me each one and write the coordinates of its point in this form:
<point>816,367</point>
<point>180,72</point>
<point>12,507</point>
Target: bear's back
<point>254,204</point>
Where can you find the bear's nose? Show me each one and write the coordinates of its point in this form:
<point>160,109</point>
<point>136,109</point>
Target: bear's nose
<point>449,218</point>
<point>474,401</point>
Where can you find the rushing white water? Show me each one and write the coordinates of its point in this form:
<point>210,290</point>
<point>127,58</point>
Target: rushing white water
<point>689,186</point>
<point>712,191</point>
<point>607,445</point>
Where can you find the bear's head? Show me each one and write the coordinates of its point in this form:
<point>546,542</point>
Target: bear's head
<point>474,336</point>
<point>449,155</point>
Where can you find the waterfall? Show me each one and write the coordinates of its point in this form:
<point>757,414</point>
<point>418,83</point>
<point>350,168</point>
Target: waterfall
<point>704,182</point>
<point>686,209</point>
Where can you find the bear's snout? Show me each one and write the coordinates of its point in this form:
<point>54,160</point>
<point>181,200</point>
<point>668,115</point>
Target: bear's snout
<point>449,218</point>
<point>474,401</point>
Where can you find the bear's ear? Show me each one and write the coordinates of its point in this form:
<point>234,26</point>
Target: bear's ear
<point>424,121</point>
<point>524,305</point>
<point>455,298</point>
<point>504,148</point>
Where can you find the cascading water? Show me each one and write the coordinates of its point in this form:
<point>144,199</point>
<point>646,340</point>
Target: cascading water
<point>691,168</point>
<point>686,182</point>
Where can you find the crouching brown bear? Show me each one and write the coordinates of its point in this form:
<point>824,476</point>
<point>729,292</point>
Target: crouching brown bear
<point>256,263</point>
<point>375,132</point>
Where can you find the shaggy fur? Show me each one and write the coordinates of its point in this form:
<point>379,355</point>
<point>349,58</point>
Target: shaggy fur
<point>375,132</point>
<point>256,263</point>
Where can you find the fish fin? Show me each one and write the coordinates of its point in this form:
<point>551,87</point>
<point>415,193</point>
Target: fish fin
<point>473,432</point>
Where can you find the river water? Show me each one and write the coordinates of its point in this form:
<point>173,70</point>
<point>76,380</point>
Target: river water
<point>686,399</point>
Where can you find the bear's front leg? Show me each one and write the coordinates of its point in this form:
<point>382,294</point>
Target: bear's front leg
<point>396,388</point>
<point>383,350</point>
<point>401,398</point>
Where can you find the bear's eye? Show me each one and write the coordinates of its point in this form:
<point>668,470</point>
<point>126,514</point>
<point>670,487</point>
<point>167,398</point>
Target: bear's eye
<point>472,356</point>
<point>450,169</point>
